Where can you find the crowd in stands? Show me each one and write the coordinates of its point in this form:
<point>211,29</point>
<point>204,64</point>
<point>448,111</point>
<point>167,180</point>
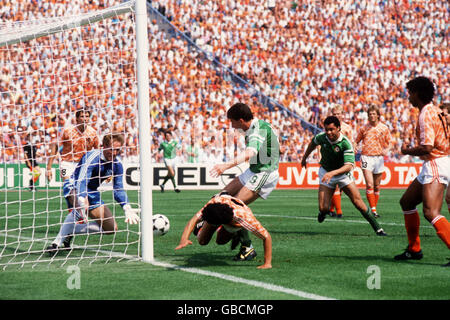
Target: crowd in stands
<point>307,55</point>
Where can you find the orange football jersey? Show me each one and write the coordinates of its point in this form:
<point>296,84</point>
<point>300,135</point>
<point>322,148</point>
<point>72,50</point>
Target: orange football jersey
<point>347,131</point>
<point>432,130</point>
<point>76,143</point>
<point>243,215</point>
<point>375,139</point>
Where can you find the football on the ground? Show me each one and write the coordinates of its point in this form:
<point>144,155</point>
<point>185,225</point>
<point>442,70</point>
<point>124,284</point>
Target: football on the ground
<point>161,225</point>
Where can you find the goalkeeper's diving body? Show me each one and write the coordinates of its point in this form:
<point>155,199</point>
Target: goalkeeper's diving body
<point>81,190</point>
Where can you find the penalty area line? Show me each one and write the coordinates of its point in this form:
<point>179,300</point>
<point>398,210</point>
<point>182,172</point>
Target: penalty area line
<point>254,283</point>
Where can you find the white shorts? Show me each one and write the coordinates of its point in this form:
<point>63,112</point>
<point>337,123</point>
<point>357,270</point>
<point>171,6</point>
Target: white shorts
<point>341,180</point>
<point>262,183</point>
<point>435,169</point>
<point>66,168</point>
<point>170,162</point>
<point>372,163</point>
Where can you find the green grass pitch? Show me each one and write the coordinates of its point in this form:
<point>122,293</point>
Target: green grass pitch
<point>337,259</point>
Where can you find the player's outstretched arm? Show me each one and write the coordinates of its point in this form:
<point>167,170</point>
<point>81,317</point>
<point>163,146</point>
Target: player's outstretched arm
<point>267,242</point>
<point>51,158</point>
<point>218,169</point>
<point>308,151</point>
<point>416,151</point>
<point>184,241</point>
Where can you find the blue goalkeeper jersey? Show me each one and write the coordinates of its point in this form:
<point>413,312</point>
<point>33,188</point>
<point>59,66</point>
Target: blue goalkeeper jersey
<point>93,169</point>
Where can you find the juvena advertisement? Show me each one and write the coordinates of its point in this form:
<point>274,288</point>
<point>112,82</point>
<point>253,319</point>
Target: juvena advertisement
<point>395,175</point>
<point>196,176</point>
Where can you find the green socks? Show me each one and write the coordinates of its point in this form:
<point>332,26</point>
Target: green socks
<point>171,179</point>
<point>244,238</point>
<point>371,219</point>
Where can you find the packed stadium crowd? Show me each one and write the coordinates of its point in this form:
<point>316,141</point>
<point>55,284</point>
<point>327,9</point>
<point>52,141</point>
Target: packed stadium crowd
<point>308,56</point>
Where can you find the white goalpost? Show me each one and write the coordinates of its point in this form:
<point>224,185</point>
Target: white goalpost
<point>49,69</point>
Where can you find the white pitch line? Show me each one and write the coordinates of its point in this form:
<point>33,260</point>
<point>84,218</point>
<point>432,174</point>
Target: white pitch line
<point>258,284</point>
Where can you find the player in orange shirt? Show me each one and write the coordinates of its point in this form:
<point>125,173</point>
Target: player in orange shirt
<point>445,107</point>
<point>227,215</point>
<point>347,131</point>
<point>433,146</point>
<point>376,142</point>
<point>75,141</point>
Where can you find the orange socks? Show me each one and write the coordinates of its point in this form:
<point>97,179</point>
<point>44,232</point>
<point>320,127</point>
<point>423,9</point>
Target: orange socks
<point>412,224</point>
<point>377,197</point>
<point>442,227</point>
<point>372,199</point>
<point>336,202</point>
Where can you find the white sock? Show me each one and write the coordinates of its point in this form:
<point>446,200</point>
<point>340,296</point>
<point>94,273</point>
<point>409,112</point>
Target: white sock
<point>67,228</point>
<point>70,227</point>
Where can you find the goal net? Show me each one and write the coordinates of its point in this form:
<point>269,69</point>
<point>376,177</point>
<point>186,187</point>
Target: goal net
<point>50,68</point>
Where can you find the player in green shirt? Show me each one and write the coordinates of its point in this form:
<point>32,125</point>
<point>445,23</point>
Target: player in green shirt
<point>169,147</point>
<point>262,151</point>
<point>336,165</point>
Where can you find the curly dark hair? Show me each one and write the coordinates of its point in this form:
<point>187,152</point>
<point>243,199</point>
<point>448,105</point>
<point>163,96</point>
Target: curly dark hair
<point>424,88</point>
<point>217,213</point>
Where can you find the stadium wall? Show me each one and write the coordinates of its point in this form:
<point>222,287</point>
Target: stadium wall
<point>196,176</point>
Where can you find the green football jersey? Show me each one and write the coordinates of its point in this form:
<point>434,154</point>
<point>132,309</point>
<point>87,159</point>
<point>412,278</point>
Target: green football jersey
<point>334,154</point>
<point>261,137</point>
<point>170,149</point>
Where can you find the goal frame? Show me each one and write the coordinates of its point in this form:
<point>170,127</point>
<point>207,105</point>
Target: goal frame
<point>28,32</point>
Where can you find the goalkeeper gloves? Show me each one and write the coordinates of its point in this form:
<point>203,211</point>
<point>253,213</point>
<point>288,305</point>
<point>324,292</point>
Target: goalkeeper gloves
<point>131,215</point>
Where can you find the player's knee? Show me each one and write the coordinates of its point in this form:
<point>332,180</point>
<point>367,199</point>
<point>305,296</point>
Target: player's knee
<point>221,241</point>
<point>202,241</point>
<point>109,231</point>
<point>404,204</point>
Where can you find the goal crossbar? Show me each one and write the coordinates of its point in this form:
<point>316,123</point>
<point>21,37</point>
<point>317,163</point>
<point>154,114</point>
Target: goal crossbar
<point>35,29</point>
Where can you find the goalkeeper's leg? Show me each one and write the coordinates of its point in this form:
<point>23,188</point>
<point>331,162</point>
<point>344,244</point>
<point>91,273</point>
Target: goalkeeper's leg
<point>105,219</point>
<point>104,223</point>
<point>68,229</point>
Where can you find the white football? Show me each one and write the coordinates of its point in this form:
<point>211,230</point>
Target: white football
<point>161,225</point>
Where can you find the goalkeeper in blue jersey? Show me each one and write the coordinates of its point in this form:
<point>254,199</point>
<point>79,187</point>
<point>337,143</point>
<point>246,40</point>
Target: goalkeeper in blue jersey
<point>336,165</point>
<point>81,193</point>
